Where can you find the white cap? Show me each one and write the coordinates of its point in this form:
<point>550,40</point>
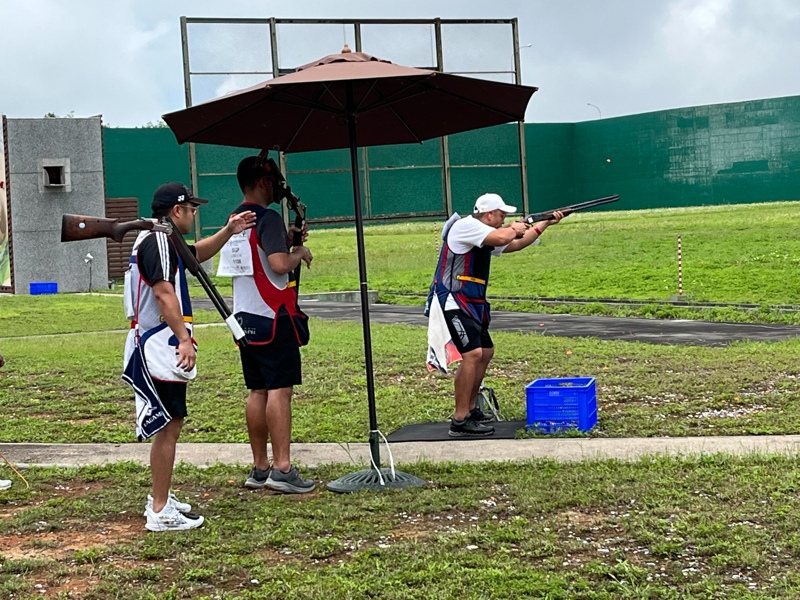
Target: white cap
<point>490,202</point>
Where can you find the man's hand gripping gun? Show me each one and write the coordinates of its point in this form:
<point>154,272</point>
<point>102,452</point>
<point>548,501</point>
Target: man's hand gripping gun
<point>81,227</point>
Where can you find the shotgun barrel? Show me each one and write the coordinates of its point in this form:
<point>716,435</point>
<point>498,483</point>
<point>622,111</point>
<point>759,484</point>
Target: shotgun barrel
<point>548,214</point>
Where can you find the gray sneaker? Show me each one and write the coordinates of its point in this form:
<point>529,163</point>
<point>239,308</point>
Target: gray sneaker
<point>469,428</point>
<point>257,479</point>
<point>289,483</point>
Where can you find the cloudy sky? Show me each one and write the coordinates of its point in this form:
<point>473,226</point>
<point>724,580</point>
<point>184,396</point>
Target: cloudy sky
<point>122,58</point>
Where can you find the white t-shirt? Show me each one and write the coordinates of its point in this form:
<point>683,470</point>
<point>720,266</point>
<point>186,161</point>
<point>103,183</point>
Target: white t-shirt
<point>469,232</point>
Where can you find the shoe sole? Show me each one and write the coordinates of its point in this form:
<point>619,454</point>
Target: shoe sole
<point>288,488</point>
<point>457,434</point>
<point>157,527</point>
<point>255,485</point>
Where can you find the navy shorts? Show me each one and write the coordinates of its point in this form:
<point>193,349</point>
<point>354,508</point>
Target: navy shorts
<point>275,365</point>
<point>173,397</point>
<point>466,332</point>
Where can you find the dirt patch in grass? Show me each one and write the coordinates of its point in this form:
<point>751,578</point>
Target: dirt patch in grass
<point>74,586</point>
<point>58,545</point>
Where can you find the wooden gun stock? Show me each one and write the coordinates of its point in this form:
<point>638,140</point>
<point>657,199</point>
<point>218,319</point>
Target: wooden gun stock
<point>82,227</point>
<point>548,214</point>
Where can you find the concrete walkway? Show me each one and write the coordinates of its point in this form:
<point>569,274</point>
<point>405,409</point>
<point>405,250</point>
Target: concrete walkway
<point>313,455</point>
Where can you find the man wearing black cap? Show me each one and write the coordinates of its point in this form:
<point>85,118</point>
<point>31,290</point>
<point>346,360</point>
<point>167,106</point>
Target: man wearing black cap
<point>158,305</point>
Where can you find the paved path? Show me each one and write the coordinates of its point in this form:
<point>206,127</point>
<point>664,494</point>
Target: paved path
<point>657,331</point>
<point>313,455</point>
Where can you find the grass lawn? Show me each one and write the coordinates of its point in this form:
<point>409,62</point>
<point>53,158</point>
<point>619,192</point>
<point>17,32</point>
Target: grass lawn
<point>67,388</point>
<point>675,529</point>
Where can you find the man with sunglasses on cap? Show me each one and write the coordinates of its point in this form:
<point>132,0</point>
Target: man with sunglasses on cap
<point>157,303</point>
<point>265,305</point>
<point>457,300</point>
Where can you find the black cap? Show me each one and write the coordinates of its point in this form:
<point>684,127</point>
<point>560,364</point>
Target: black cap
<point>170,194</point>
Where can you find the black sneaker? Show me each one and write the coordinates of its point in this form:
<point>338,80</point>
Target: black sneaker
<point>469,428</point>
<point>257,479</point>
<point>477,415</point>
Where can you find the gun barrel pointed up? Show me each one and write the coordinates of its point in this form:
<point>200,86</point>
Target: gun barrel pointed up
<point>548,214</point>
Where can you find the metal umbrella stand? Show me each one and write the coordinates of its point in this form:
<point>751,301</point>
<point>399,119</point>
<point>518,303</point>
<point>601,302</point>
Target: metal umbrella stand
<point>349,100</point>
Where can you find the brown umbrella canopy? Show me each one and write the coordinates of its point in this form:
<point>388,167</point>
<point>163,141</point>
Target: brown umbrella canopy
<point>306,110</point>
<point>351,100</point>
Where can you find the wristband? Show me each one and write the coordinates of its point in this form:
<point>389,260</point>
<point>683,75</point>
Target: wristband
<point>537,230</point>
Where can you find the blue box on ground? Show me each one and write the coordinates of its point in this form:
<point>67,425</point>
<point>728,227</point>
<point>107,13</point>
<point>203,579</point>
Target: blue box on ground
<point>43,287</point>
<point>558,404</point>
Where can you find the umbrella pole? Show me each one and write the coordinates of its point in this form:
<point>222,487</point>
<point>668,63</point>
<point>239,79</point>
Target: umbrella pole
<point>375,478</point>
<point>374,441</point>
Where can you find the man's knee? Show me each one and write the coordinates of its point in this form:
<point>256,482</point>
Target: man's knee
<point>472,357</point>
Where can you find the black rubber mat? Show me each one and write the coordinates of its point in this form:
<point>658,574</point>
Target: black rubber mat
<point>437,432</point>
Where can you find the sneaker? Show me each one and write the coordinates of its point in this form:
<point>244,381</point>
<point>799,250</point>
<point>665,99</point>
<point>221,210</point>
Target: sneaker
<point>469,428</point>
<point>170,519</point>
<point>183,507</point>
<point>257,478</point>
<point>289,483</point>
<point>477,415</point>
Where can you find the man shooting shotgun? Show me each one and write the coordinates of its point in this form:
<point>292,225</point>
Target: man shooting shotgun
<point>458,312</point>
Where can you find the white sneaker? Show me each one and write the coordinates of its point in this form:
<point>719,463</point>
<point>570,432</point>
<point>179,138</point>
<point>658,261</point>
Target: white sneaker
<point>183,507</point>
<point>5,484</point>
<point>170,519</point>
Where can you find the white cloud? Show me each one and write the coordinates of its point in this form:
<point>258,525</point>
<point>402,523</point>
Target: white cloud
<point>122,58</point>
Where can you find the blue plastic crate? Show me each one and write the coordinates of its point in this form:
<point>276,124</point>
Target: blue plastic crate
<point>558,404</point>
<point>43,287</point>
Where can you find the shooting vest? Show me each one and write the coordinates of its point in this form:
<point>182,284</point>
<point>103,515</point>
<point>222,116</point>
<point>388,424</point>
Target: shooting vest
<point>259,297</point>
<point>148,329</point>
<point>463,277</point>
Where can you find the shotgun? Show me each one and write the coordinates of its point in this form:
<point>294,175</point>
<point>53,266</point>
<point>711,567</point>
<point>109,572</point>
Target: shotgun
<point>293,203</point>
<point>548,214</point>
<point>80,227</point>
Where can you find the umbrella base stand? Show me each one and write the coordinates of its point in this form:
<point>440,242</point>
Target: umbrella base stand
<point>369,479</point>
<point>376,479</point>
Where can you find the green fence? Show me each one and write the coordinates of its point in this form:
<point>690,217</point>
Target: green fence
<point>716,154</point>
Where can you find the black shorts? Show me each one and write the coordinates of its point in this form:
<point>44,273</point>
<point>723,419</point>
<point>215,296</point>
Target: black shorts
<point>173,397</point>
<point>275,365</point>
<point>466,332</point>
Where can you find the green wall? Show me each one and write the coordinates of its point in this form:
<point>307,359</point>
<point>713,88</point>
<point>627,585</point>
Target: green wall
<point>716,154</point>
<point>137,161</point>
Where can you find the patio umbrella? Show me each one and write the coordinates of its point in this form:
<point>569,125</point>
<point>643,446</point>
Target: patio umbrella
<point>349,100</point>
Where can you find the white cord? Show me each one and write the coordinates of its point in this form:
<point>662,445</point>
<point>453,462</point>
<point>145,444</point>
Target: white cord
<point>376,467</point>
<point>391,459</point>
